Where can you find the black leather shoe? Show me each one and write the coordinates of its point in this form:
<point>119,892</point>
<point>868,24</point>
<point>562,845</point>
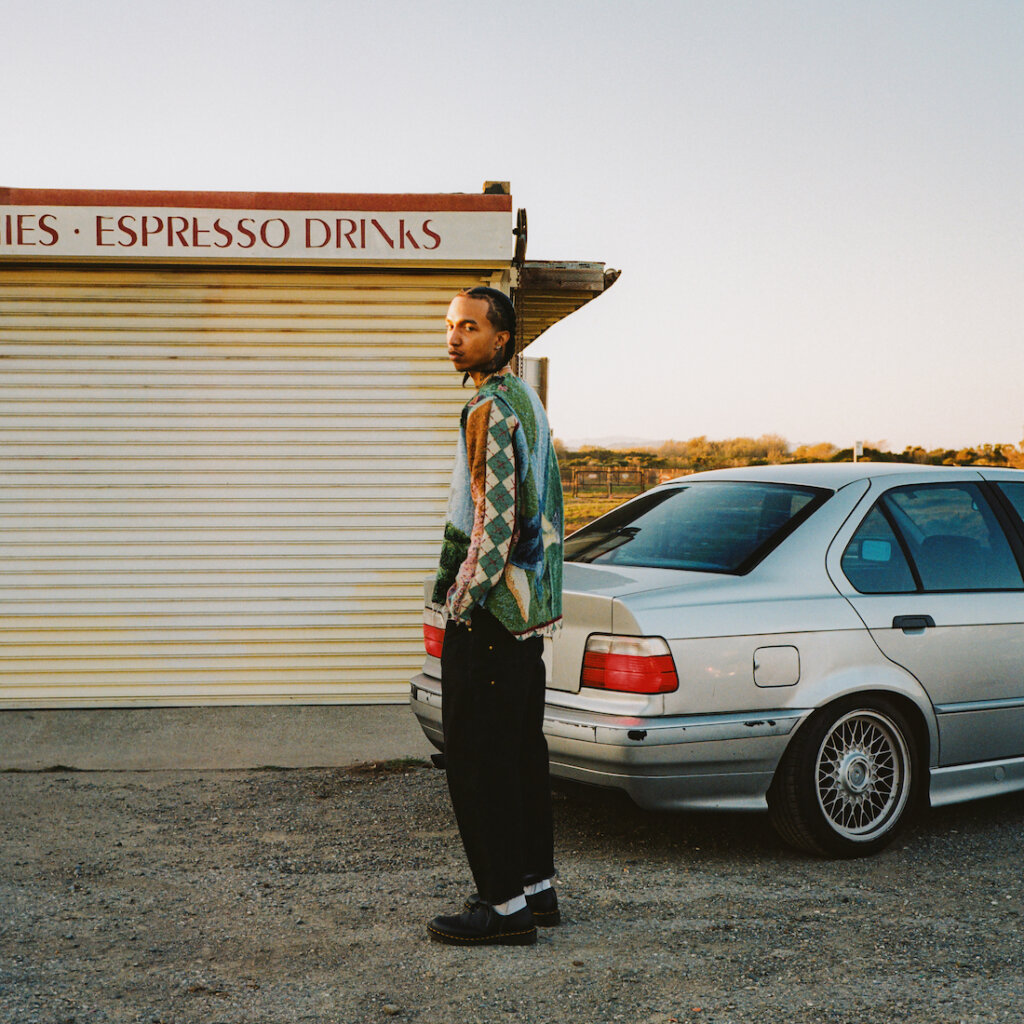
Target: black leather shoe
<point>543,906</point>
<point>484,926</point>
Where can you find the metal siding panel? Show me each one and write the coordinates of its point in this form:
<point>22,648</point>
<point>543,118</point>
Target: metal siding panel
<point>219,486</point>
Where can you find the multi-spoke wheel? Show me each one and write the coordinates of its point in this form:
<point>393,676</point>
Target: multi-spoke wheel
<point>848,780</point>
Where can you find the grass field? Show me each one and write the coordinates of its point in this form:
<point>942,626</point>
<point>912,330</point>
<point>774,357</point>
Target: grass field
<point>580,511</point>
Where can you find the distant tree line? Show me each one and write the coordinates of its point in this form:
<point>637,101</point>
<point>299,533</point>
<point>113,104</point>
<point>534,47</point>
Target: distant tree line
<point>700,453</point>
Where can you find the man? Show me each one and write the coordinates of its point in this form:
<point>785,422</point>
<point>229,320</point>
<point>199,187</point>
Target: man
<point>500,583</point>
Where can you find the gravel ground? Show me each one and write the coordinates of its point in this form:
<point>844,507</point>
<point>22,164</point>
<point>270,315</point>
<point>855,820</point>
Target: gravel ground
<point>286,896</point>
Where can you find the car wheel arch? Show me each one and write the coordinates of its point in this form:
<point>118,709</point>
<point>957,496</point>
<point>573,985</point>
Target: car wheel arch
<point>891,683</point>
<point>925,735</point>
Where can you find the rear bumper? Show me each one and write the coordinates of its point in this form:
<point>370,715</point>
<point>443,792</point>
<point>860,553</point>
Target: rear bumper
<point>722,761</point>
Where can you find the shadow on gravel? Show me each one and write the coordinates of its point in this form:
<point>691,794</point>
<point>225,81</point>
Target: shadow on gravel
<point>583,810</point>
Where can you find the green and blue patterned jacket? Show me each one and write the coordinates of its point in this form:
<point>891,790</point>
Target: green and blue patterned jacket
<point>502,544</point>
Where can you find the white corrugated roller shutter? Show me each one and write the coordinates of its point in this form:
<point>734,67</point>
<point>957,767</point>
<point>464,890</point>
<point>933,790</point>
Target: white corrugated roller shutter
<point>219,486</point>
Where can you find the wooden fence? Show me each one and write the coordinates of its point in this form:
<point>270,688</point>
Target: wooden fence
<point>611,480</point>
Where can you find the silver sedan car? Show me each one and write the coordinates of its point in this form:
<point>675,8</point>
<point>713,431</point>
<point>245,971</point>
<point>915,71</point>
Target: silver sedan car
<point>838,644</point>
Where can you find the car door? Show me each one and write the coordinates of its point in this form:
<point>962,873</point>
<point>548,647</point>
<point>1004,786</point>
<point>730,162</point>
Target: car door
<point>934,570</point>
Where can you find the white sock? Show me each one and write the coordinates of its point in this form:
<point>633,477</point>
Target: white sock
<point>532,890</point>
<point>511,906</point>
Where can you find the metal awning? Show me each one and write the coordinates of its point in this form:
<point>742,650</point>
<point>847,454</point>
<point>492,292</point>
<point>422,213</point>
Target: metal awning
<point>546,291</point>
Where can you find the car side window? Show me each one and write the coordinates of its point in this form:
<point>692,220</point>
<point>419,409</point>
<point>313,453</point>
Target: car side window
<point>1015,494</point>
<point>874,561</point>
<point>953,537</point>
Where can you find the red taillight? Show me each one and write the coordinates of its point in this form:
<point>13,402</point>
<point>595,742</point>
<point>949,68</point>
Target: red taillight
<point>629,664</point>
<point>433,638</point>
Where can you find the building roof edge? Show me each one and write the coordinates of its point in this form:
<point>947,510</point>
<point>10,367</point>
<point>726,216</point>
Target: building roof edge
<point>369,201</point>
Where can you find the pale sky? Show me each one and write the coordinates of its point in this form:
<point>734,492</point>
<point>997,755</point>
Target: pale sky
<point>817,205</point>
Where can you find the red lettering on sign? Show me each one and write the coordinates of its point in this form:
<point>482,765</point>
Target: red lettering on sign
<point>51,231</point>
<point>310,221</point>
<point>124,223</point>
<point>18,229</point>
<point>405,234</point>
<point>387,238</point>
<point>177,232</point>
<point>347,235</point>
<point>224,233</point>
<point>285,232</point>
<point>25,229</point>
<point>156,229</point>
<point>433,234</point>
<point>245,231</point>
<point>100,229</point>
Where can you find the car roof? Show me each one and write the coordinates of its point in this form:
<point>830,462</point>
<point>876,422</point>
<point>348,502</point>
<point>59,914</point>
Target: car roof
<point>838,474</point>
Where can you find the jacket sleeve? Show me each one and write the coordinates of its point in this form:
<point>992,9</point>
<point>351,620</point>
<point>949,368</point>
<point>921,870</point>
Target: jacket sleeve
<point>492,473</point>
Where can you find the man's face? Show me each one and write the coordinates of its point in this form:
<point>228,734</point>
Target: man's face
<point>473,340</point>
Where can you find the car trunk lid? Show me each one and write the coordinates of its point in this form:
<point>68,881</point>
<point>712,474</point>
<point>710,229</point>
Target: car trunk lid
<point>588,601</point>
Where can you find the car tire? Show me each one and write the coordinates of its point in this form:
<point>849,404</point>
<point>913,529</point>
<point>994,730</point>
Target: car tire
<point>849,780</point>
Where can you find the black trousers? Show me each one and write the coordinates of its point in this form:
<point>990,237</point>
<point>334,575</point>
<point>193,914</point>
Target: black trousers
<point>496,756</point>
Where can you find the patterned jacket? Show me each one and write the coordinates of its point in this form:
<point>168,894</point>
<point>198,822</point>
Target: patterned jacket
<point>502,544</point>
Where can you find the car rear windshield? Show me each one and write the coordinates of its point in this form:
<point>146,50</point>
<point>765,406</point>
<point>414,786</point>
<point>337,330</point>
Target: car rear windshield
<point>712,526</point>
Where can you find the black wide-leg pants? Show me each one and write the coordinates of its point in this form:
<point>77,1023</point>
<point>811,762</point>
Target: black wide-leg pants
<point>496,756</point>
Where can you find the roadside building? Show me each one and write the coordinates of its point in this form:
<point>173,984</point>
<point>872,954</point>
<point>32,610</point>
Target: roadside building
<point>226,433</point>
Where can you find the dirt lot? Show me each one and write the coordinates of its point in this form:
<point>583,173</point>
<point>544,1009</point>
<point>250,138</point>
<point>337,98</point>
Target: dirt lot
<point>286,896</point>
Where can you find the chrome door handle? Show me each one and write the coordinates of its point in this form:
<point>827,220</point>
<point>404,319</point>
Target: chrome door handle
<point>908,623</point>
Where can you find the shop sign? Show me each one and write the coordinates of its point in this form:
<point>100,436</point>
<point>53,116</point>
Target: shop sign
<point>162,233</point>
